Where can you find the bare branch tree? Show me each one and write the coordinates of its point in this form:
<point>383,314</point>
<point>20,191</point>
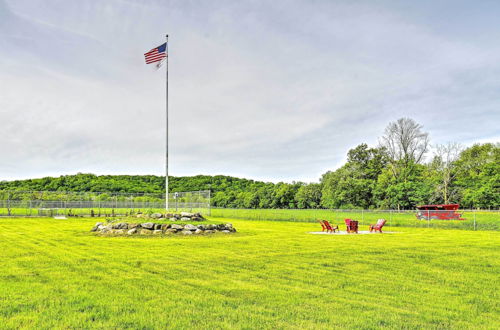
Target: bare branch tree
<point>404,140</point>
<point>445,157</point>
<point>405,143</point>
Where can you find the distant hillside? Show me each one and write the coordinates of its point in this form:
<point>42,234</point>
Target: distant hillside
<point>226,191</point>
<point>130,183</point>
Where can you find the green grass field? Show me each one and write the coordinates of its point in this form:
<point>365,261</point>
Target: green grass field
<point>56,274</point>
<point>480,220</point>
<point>474,220</point>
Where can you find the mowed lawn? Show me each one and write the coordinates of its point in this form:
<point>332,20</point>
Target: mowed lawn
<point>56,274</point>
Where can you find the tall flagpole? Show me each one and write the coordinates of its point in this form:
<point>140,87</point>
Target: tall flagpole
<point>166,131</point>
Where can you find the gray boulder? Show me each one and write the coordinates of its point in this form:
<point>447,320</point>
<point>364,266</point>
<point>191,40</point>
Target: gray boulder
<point>225,231</point>
<point>120,225</point>
<point>157,232</point>
<point>156,215</point>
<point>132,231</point>
<point>148,225</point>
<point>198,231</point>
<point>165,226</point>
<point>187,232</point>
<point>176,227</point>
<point>187,214</point>
<point>190,227</point>
<point>157,226</point>
<point>185,219</point>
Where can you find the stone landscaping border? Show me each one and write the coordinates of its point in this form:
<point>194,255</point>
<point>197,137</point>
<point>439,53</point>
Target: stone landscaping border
<point>183,216</point>
<point>151,228</point>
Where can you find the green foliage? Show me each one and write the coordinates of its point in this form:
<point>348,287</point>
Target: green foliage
<point>367,180</point>
<point>402,192</point>
<point>309,196</point>
<point>353,184</point>
<point>479,175</point>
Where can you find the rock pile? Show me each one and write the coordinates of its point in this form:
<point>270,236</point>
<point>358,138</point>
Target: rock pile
<point>151,228</point>
<point>183,216</point>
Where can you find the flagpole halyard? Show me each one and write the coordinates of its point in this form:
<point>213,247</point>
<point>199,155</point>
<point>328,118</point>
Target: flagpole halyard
<point>166,128</point>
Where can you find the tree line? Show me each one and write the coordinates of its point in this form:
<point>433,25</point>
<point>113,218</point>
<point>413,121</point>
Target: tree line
<point>399,173</point>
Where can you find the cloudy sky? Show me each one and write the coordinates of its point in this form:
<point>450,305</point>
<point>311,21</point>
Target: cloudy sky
<point>271,90</point>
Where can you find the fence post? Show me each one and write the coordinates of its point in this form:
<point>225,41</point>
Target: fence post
<point>209,203</point>
<point>475,227</point>
<point>8,204</point>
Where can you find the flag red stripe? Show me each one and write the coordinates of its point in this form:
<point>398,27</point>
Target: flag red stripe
<point>154,56</point>
<point>158,60</point>
<point>154,59</point>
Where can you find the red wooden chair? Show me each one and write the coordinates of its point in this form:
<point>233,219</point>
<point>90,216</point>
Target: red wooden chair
<point>329,227</point>
<point>378,226</point>
<point>352,225</point>
<point>323,226</point>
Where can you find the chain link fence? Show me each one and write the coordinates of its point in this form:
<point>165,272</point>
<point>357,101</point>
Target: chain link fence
<point>470,219</point>
<point>55,203</point>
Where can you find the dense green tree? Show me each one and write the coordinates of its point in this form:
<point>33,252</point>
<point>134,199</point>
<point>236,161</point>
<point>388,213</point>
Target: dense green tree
<point>393,193</point>
<point>479,176</point>
<point>352,185</point>
<point>309,196</point>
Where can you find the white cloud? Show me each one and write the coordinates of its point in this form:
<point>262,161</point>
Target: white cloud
<point>275,91</point>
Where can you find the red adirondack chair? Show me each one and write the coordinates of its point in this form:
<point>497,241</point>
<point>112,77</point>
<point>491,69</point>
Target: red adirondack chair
<point>329,227</point>
<point>323,226</point>
<point>378,226</point>
<point>352,225</point>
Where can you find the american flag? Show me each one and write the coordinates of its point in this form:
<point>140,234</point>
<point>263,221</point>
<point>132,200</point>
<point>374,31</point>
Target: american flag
<point>156,54</point>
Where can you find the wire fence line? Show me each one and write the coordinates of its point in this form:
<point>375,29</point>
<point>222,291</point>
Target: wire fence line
<point>96,195</point>
<point>469,219</point>
<point>29,203</point>
<point>57,203</point>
